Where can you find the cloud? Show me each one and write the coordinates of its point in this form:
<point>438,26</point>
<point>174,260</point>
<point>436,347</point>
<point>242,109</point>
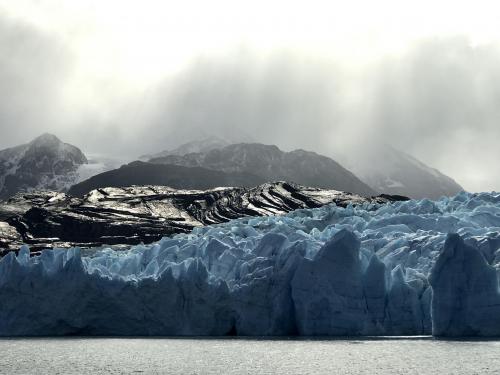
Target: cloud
<point>281,98</point>
<point>33,67</point>
<point>439,100</point>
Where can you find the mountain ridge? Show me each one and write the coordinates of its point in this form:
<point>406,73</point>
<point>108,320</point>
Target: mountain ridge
<point>384,168</point>
<point>271,163</point>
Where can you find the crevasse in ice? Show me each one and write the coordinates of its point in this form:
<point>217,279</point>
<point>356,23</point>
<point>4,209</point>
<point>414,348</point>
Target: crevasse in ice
<point>365,270</point>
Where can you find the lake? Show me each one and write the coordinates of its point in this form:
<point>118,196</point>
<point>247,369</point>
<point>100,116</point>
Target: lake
<point>422,355</point>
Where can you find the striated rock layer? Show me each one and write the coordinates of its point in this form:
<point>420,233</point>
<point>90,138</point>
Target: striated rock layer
<point>369,269</point>
<point>127,216</point>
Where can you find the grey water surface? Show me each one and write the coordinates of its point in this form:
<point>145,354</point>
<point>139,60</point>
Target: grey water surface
<point>248,356</point>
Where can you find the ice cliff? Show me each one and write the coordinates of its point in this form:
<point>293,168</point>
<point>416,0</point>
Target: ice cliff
<point>372,269</point>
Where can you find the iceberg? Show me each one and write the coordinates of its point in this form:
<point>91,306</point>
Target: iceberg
<point>404,268</point>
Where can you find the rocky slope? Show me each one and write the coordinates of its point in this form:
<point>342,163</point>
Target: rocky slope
<point>175,176</point>
<point>270,163</point>
<point>45,163</point>
<point>114,216</point>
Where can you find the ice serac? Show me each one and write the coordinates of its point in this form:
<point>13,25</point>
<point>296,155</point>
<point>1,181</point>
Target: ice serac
<point>335,295</point>
<point>404,308</point>
<point>466,299</point>
<point>328,290</point>
<point>375,291</point>
<point>262,300</point>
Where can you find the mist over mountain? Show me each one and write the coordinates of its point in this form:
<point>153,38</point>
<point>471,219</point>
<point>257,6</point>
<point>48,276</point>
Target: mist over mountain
<point>383,168</point>
<point>391,171</point>
<point>200,145</point>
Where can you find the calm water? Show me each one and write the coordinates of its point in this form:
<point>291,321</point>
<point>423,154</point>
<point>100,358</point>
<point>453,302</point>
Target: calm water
<point>241,356</point>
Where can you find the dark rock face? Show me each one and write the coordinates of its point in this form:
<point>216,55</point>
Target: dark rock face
<point>270,163</point>
<point>125,216</point>
<point>175,176</point>
<point>45,163</point>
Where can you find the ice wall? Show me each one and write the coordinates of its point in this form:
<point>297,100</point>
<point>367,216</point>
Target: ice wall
<point>466,299</point>
<point>364,270</point>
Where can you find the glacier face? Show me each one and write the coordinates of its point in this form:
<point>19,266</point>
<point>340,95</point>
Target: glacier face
<point>372,269</point>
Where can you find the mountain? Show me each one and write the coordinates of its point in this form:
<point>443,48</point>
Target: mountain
<point>391,171</point>
<point>270,163</point>
<point>175,176</point>
<point>130,215</point>
<point>202,145</point>
<point>45,163</point>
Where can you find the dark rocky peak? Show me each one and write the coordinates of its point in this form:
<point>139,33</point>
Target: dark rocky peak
<point>44,163</point>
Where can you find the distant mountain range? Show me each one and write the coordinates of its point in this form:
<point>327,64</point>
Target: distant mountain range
<point>46,163</point>
<point>383,168</point>
<point>270,163</point>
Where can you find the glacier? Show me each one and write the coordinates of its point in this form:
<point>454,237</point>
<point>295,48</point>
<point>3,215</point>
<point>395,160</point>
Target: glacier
<point>416,267</point>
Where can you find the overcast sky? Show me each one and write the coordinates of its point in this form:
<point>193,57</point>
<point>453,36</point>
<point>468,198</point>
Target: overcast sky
<point>132,77</point>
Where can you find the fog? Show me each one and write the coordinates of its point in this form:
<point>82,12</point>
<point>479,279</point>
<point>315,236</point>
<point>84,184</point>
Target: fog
<point>435,95</point>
